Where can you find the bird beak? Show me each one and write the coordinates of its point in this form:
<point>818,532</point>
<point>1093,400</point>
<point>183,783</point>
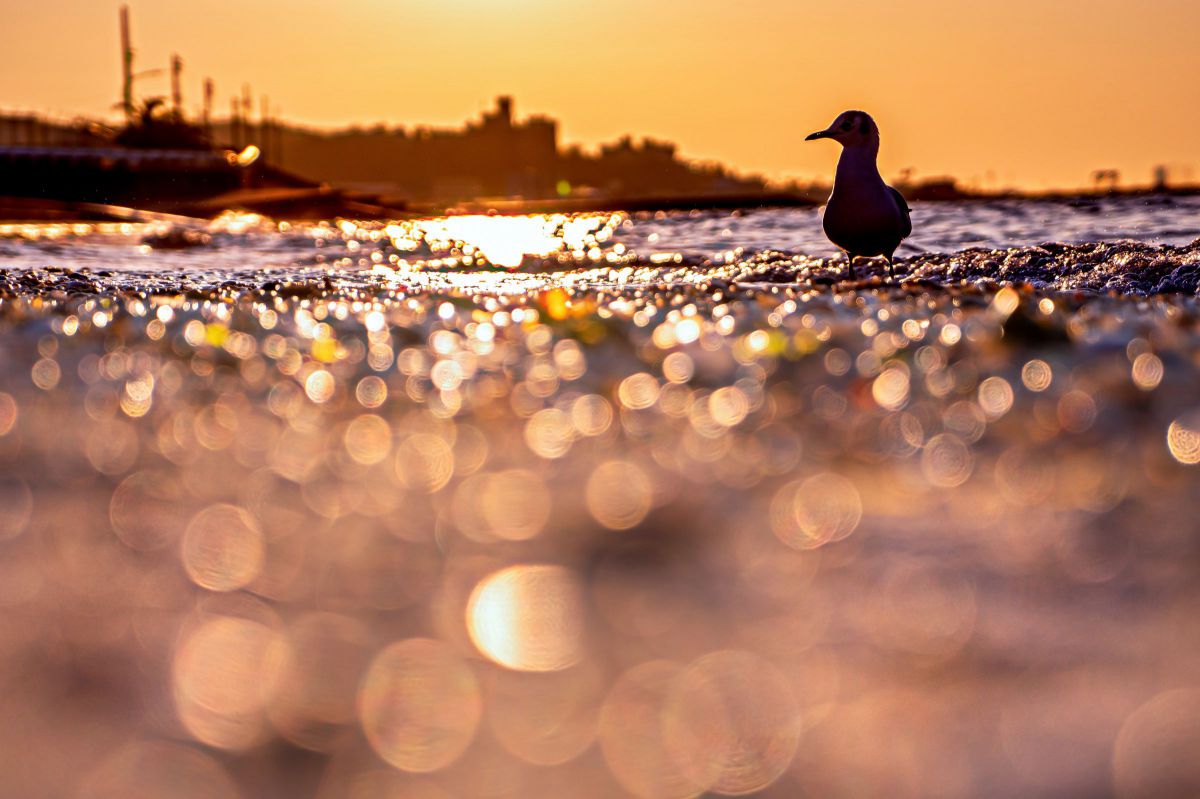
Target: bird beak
<point>820,134</point>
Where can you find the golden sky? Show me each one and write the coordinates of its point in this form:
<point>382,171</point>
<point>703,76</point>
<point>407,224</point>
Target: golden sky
<point>1036,93</point>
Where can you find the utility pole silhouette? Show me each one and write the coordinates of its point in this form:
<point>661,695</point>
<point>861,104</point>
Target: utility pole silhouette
<point>176,85</point>
<point>206,118</point>
<point>126,67</point>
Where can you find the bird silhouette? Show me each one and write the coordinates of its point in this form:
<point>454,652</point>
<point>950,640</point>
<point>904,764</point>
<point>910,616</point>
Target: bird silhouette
<point>864,217</point>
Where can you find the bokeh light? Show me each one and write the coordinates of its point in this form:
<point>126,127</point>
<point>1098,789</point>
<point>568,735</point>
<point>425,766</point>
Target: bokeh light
<point>732,723</point>
<point>822,509</point>
<point>420,705</point>
<point>1183,438</point>
<point>225,672</point>
<point>619,494</point>
<point>400,521</point>
<point>529,618</point>
<point>223,548</point>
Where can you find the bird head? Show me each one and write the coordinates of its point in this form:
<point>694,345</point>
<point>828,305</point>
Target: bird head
<point>850,129</point>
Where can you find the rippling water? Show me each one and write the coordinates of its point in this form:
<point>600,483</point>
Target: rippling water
<point>938,227</point>
<point>539,507</point>
<point>236,246</point>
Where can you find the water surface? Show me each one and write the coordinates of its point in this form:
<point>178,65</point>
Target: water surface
<point>598,246</point>
<point>537,507</point>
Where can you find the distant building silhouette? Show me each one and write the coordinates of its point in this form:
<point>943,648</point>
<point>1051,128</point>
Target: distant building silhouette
<point>1106,179</point>
<point>31,130</point>
<point>1161,178</point>
<point>494,156</point>
<point>160,156</point>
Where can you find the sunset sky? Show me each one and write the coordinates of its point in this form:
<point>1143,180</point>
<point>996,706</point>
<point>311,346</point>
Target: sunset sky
<point>1035,93</point>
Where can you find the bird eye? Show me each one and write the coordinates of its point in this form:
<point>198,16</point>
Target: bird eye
<point>864,127</point>
<point>847,125</point>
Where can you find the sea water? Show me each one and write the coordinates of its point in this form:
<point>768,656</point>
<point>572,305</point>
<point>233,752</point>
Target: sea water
<point>599,505</point>
<point>237,246</point>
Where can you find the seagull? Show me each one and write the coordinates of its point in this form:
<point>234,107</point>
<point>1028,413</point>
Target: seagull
<point>864,216</point>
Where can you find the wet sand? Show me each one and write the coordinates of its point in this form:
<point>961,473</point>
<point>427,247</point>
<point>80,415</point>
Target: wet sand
<point>652,529</point>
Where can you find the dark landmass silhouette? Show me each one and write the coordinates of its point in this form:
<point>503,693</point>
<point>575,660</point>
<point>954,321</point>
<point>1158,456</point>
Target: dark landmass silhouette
<point>496,159</point>
<point>162,162</point>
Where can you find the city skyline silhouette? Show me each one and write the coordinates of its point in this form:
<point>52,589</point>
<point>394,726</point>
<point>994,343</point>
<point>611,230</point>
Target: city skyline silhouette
<point>980,92</point>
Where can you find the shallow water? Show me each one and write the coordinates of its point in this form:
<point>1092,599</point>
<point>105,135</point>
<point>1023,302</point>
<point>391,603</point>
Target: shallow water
<point>938,227</point>
<point>300,512</point>
<point>952,241</point>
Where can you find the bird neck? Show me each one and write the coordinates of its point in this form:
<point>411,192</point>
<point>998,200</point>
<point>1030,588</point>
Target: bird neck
<point>858,163</point>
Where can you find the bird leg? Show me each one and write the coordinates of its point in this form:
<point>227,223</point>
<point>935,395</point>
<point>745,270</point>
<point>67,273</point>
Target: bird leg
<point>849,266</point>
<point>891,268</point>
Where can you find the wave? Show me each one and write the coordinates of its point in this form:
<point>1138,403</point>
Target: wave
<point>1123,267</point>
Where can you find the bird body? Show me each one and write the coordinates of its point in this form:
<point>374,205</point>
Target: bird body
<point>864,217</point>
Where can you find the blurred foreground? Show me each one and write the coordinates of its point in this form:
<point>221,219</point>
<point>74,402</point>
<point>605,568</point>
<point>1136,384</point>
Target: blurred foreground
<point>404,534</point>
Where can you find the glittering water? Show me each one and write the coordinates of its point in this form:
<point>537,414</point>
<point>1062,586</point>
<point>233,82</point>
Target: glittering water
<point>532,508</point>
<point>237,246</point>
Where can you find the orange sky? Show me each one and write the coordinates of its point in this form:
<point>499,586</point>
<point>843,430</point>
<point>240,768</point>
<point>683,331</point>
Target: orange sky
<point>1037,93</point>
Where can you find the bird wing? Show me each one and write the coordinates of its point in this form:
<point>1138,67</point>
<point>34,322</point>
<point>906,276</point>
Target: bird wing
<point>905,211</point>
